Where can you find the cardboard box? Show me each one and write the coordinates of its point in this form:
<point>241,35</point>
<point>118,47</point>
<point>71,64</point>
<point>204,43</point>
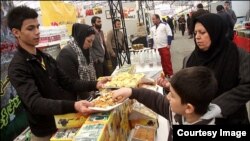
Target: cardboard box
<point>106,126</point>
<point>143,133</point>
<point>91,132</point>
<point>142,115</point>
<point>64,134</point>
<point>72,120</point>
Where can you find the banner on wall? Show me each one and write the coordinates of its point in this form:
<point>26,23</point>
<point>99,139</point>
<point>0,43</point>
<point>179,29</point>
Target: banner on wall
<point>129,14</point>
<point>58,13</point>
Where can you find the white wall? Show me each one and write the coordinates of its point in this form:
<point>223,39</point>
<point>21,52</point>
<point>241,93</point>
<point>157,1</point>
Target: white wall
<point>240,7</point>
<point>214,5</point>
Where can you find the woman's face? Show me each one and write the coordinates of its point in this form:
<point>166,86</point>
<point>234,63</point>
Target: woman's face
<point>88,41</point>
<point>202,37</point>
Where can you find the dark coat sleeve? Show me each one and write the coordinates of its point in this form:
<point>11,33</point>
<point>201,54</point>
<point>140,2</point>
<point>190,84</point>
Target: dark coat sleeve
<point>75,85</point>
<point>153,100</point>
<point>67,60</point>
<point>234,99</point>
<point>22,80</point>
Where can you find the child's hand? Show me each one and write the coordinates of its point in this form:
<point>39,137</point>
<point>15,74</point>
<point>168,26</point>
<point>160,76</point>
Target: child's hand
<point>121,94</point>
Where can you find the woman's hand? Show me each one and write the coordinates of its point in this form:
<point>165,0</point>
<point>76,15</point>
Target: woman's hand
<point>121,94</point>
<point>102,81</point>
<point>162,81</point>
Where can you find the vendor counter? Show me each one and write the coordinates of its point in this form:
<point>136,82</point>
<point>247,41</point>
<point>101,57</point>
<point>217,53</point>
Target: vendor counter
<point>130,121</point>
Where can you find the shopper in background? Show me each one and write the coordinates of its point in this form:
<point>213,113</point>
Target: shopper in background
<point>189,26</point>
<point>175,25</point>
<point>76,59</point>
<point>230,65</point>
<point>200,11</point>
<point>228,22</point>
<point>111,46</point>
<point>182,23</point>
<point>171,25</point>
<point>162,37</point>
<point>41,85</point>
<point>231,13</point>
<point>99,51</point>
<point>247,15</point>
<point>191,91</point>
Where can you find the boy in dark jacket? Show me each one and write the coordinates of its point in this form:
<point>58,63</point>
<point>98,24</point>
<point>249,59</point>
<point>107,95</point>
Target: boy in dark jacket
<point>42,86</point>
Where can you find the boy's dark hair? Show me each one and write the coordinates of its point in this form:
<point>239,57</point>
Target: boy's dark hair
<point>116,20</point>
<point>93,19</point>
<point>195,85</point>
<point>219,8</point>
<point>17,15</point>
<point>200,6</point>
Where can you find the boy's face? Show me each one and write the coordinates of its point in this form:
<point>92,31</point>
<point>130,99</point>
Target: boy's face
<point>29,34</point>
<point>175,102</point>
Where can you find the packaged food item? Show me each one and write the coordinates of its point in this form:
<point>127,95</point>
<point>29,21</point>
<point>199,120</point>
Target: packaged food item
<point>143,133</point>
<point>90,132</point>
<point>64,134</point>
<point>142,115</point>
<point>125,68</point>
<point>125,80</point>
<point>107,126</point>
<point>70,120</point>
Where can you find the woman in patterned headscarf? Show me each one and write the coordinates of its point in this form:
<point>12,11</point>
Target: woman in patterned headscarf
<point>76,59</point>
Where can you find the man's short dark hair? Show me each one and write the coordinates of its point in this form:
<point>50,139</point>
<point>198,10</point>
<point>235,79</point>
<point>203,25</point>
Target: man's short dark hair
<point>157,16</point>
<point>164,20</point>
<point>228,2</point>
<point>17,15</point>
<point>116,20</point>
<point>219,8</point>
<point>93,19</point>
<point>200,6</point>
<point>195,85</point>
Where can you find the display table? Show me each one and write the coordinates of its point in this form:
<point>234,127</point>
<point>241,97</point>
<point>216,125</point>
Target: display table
<point>121,123</point>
